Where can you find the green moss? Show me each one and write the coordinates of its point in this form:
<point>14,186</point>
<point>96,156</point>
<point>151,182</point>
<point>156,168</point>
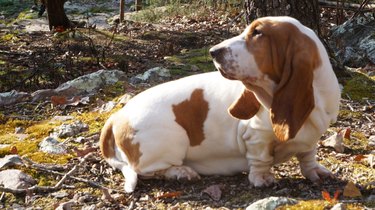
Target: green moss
<point>347,114</point>
<point>359,87</point>
<point>188,60</point>
<point>95,120</point>
<point>305,205</point>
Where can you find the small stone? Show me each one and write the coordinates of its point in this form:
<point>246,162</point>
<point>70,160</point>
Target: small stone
<point>51,145</point>
<point>10,160</point>
<point>371,141</point>
<point>339,206</point>
<point>68,130</point>
<point>271,203</point>
<point>107,107</point>
<point>80,139</point>
<point>60,195</point>
<point>90,207</point>
<point>16,179</point>
<point>65,206</point>
<point>62,118</point>
<point>19,130</point>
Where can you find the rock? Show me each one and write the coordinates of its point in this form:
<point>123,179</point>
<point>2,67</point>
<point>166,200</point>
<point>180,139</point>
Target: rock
<point>62,118</point>
<point>68,130</point>
<point>90,207</point>
<point>156,74</point>
<point>60,194</point>
<point>13,97</point>
<point>371,141</point>
<point>83,85</point>
<point>336,141</point>
<point>354,41</point>
<point>271,203</point>
<point>66,206</point>
<point>107,107</point>
<point>10,160</point>
<point>51,145</point>
<point>339,206</point>
<point>19,130</point>
<point>16,179</point>
<point>125,99</point>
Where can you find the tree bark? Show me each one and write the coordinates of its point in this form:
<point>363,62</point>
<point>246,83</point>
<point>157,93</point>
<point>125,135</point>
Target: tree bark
<point>306,11</point>
<point>56,14</point>
<point>138,5</point>
<point>122,8</point>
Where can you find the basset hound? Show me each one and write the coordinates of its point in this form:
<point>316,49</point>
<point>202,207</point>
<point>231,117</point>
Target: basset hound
<point>276,95</point>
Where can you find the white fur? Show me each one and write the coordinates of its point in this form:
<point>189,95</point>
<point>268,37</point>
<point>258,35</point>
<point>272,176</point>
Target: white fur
<point>230,145</point>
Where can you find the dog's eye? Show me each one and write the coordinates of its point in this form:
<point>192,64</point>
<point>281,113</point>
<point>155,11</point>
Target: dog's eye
<point>256,32</point>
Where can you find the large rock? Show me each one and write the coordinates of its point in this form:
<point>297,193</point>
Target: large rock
<point>83,85</point>
<point>354,41</point>
<point>271,203</point>
<point>12,97</point>
<point>157,74</point>
<point>16,179</point>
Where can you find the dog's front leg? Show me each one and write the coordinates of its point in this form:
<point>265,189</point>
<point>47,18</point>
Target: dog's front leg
<point>259,145</point>
<point>310,168</point>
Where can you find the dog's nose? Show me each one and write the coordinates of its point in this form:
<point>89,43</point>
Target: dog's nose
<point>216,52</point>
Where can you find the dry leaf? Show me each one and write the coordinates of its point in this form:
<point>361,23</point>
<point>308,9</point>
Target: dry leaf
<point>351,190</point>
<point>13,150</point>
<point>214,191</point>
<point>58,100</point>
<point>359,157</point>
<point>346,133</point>
<point>326,196</point>
<point>336,141</point>
<point>106,195</point>
<point>169,195</point>
<point>83,152</point>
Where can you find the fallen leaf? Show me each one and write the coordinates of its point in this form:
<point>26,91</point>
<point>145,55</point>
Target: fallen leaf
<point>351,190</point>
<point>336,141</point>
<point>359,157</point>
<point>336,195</point>
<point>346,133</point>
<point>13,150</point>
<point>83,152</point>
<point>58,100</point>
<point>326,196</point>
<point>169,195</point>
<point>106,195</point>
<point>214,191</point>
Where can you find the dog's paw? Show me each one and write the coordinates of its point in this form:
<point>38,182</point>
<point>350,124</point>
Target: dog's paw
<point>181,173</point>
<point>317,173</point>
<point>261,179</point>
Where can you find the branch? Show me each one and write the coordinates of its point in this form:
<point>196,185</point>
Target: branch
<point>347,6</point>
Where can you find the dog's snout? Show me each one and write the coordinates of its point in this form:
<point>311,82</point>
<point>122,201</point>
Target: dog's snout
<point>217,52</point>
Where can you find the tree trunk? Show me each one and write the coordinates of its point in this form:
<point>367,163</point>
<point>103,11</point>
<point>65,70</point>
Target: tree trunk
<point>138,5</point>
<point>56,14</point>
<point>306,11</point>
<point>122,8</point>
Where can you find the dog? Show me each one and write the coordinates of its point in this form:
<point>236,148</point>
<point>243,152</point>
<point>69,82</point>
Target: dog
<point>275,94</point>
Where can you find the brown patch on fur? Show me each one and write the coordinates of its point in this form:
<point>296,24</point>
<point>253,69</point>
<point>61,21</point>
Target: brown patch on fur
<point>122,136</point>
<point>289,58</point>
<point>191,114</point>
<point>245,107</point>
<point>106,141</point>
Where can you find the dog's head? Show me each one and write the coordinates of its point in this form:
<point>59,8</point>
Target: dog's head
<point>275,57</point>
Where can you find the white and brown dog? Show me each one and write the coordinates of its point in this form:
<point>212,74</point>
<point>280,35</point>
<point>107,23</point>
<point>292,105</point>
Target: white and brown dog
<point>281,94</point>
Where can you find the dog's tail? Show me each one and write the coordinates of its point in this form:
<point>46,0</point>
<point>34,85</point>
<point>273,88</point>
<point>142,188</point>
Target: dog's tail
<point>107,147</point>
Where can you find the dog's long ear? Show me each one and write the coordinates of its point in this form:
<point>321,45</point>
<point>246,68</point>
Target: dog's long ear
<point>245,107</point>
<point>293,100</point>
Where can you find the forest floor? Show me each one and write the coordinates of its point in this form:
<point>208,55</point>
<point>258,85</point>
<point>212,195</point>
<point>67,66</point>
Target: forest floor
<point>31,60</point>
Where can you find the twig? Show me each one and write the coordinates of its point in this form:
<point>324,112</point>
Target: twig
<point>363,4</point>
<point>69,174</point>
<point>45,189</point>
